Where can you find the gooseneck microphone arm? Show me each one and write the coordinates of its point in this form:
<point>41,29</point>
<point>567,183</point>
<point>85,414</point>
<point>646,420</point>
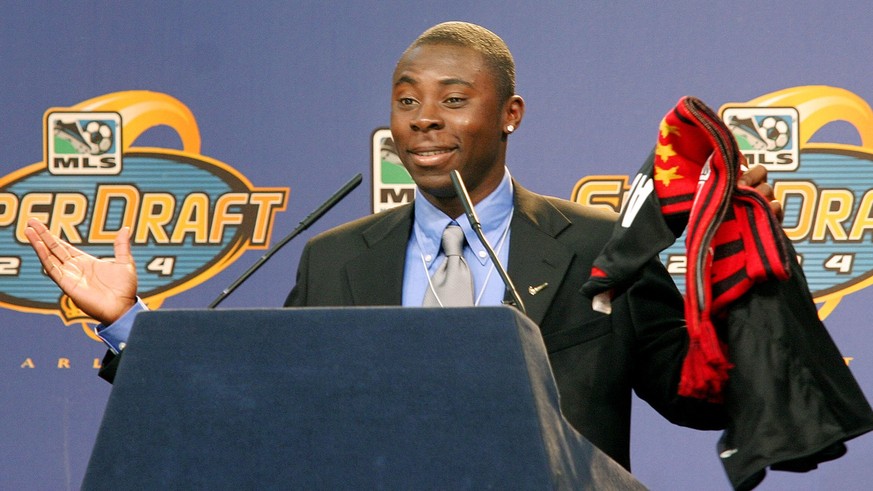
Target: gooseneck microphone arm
<point>304,224</point>
<point>461,191</point>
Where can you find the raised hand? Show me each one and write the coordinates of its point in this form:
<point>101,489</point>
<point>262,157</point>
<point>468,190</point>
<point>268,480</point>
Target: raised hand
<point>756,177</point>
<point>103,289</point>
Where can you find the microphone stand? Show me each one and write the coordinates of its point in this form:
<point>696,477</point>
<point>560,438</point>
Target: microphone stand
<point>304,224</point>
<point>461,191</point>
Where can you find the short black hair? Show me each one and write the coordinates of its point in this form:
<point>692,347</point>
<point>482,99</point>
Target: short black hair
<point>489,45</point>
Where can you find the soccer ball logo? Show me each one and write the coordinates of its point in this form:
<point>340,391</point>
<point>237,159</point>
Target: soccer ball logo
<point>99,137</point>
<point>93,137</point>
<point>764,133</point>
<point>775,131</point>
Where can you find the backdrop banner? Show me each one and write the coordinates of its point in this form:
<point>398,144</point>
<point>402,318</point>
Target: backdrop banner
<point>214,129</point>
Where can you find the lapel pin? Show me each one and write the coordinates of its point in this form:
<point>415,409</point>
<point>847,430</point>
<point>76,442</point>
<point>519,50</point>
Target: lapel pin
<point>533,290</point>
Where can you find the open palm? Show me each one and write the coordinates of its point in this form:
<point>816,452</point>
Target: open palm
<point>103,289</point>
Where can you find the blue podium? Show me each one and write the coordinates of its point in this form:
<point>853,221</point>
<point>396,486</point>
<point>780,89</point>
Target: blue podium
<point>340,398</point>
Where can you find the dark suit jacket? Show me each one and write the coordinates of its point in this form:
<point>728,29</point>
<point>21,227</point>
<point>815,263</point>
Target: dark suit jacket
<point>596,358</point>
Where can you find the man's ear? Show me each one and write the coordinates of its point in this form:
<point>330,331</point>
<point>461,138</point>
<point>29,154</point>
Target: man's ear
<point>513,113</point>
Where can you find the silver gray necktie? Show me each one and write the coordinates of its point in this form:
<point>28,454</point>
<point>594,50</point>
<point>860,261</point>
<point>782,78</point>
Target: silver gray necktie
<point>452,283</point>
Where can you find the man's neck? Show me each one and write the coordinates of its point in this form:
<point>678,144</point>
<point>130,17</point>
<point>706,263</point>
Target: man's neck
<point>452,206</point>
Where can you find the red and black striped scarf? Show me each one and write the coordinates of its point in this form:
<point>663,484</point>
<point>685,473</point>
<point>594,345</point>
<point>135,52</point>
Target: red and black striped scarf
<point>733,239</point>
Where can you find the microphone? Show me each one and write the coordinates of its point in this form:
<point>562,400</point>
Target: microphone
<point>304,224</point>
<point>461,191</point>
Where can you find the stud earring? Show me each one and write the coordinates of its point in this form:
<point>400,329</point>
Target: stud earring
<point>510,128</point>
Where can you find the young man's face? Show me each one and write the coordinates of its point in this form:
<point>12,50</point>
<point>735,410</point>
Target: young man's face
<point>445,115</point>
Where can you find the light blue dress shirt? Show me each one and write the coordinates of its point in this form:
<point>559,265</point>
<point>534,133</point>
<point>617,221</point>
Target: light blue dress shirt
<point>423,255</point>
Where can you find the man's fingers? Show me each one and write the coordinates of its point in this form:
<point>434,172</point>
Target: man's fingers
<point>776,206</point>
<point>55,272</point>
<point>42,251</point>
<point>754,176</point>
<point>121,246</point>
<point>57,247</point>
<point>766,191</point>
<point>54,246</point>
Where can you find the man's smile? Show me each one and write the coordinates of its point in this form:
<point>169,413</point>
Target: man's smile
<point>430,156</point>
<point>429,153</point>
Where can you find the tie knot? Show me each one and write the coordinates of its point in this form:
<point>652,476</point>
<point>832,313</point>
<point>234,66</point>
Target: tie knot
<point>453,240</point>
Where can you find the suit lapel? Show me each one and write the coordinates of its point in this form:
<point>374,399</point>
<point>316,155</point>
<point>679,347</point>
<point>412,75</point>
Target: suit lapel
<point>375,277</point>
<point>537,260</point>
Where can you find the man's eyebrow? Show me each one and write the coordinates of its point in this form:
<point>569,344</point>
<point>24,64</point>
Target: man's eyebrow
<point>405,79</point>
<point>456,81</point>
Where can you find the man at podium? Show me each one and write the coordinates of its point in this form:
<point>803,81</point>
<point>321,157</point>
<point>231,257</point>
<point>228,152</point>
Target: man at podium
<point>454,107</point>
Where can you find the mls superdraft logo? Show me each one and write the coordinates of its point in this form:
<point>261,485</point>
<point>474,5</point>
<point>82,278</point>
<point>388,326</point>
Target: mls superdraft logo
<point>83,143</point>
<point>826,188</point>
<point>190,215</point>
<point>392,185</point>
